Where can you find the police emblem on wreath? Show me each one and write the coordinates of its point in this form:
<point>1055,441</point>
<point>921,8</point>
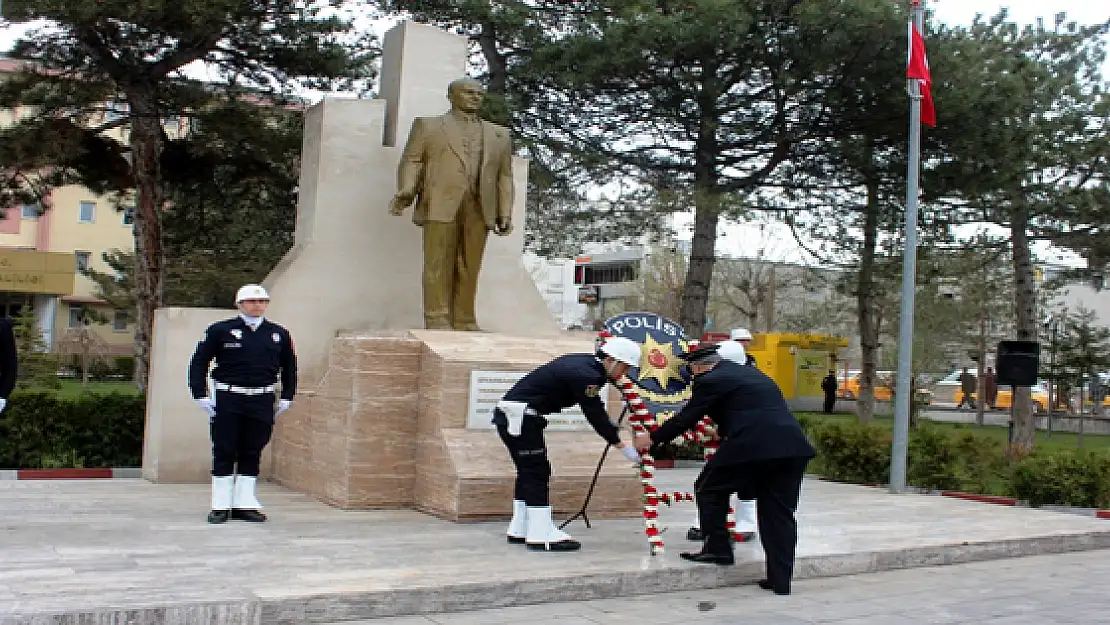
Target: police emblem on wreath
<point>661,379</point>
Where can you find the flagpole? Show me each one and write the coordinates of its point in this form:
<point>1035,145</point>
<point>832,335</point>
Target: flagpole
<point>903,400</point>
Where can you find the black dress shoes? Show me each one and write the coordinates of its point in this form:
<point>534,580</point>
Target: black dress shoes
<point>701,557</point>
<point>254,516</point>
<point>766,585</point>
<point>219,516</point>
<point>695,533</point>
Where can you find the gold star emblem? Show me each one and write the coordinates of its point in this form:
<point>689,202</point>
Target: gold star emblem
<point>658,362</point>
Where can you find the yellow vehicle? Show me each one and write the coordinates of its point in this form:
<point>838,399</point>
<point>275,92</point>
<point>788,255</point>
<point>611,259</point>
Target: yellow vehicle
<point>884,388</point>
<point>849,389</point>
<point>1005,398</point>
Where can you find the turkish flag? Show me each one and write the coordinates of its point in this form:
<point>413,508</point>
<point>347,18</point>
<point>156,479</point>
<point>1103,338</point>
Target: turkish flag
<point>917,68</point>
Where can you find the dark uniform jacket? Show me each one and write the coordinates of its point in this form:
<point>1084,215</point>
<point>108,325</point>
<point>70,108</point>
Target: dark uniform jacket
<point>750,412</point>
<point>564,382</point>
<point>9,364</point>
<point>244,357</point>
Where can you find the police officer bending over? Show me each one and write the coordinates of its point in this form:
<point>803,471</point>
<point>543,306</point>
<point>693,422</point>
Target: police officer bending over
<point>249,352</point>
<point>763,456</point>
<point>519,417</point>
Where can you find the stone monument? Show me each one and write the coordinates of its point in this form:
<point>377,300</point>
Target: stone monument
<point>389,414</point>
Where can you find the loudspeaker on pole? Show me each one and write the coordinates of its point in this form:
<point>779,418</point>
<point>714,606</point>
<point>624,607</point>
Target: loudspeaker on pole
<point>1018,363</point>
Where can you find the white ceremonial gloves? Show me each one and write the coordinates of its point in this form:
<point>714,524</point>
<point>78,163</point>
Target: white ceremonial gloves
<point>207,405</point>
<point>630,452</point>
<point>3,404</point>
<point>283,405</point>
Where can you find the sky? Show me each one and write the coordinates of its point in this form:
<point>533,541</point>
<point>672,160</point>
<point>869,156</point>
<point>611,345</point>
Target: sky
<point>741,239</point>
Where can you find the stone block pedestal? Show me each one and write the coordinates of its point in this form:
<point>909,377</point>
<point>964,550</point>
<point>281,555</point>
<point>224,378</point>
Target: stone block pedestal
<point>387,427</point>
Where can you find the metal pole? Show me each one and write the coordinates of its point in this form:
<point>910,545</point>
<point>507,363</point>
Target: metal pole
<point>903,401</point>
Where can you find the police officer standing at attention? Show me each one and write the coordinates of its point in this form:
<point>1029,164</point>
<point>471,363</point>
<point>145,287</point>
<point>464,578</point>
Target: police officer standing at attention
<point>519,417</point>
<point>763,456</point>
<point>249,351</point>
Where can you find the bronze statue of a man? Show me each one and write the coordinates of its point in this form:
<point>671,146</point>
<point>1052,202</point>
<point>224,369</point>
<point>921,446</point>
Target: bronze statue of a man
<point>458,168</point>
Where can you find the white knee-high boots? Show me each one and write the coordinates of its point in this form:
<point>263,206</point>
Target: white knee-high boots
<point>543,535</point>
<point>518,526</point>
<point>244,493</point>
<point>222,489</point>
<point>745,517</point>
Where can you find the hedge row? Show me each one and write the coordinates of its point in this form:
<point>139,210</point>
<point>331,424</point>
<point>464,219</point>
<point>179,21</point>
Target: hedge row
<point>943,459</point>
<point>102,368</point>
<point>41,430</point>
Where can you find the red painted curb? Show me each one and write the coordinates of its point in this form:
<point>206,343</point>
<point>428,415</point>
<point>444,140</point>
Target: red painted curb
<point>1002,501</point>
<point>63,474</point>
<point>1102,514</point>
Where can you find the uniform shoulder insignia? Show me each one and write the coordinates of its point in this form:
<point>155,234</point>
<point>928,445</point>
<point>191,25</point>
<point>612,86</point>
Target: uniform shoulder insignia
<point>593,390</point>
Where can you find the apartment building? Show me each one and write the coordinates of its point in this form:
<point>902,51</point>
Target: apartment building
<point>44,248</point>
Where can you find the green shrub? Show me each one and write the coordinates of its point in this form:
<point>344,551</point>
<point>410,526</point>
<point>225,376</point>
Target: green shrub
<point>852,452</point>
<point>1080,479</point>
<point>943,460</point>
<point>124,366</point>
<point>40,430</point>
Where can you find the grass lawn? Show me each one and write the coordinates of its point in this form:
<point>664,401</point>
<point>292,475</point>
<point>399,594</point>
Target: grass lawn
<point>73,388</point>
<point>1058,440</point>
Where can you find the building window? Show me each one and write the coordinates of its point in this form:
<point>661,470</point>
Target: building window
<point>83,260</point>
<point>86,211</point>
<point>30,211</point>
<point>76,316</point>
<point>119,321</point>
<point>128,216</point>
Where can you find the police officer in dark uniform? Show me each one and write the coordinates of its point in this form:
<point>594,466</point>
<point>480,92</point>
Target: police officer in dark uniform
<point>9,361</point>
<point>249,351</point>
<point>763,456</point>
<point>519,417</point>
<point>735,351</point>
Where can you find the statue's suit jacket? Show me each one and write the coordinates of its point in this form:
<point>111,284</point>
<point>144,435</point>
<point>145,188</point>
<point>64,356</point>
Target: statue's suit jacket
<point>432,169</point>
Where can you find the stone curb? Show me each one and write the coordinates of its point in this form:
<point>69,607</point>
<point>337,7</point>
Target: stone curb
<point>485,595</point>
<point>71,474</point>
<point>992,499</point>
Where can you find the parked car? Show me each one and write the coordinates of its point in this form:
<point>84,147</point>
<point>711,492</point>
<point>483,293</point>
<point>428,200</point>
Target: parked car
<point>1005,398</point>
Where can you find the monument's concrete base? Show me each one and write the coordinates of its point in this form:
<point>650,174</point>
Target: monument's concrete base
<point>402,420</point>
<point>100,552</point>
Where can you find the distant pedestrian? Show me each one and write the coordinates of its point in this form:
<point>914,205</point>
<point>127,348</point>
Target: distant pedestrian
<point>990,388</point>
<point>968,385</point>
<point>829,386</point>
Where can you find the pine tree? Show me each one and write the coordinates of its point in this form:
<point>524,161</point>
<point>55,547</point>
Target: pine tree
<point>128,59</point>
<point>38,368</point>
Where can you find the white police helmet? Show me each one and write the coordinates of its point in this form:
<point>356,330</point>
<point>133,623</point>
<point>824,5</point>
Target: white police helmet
<point>622,350</point>
<point>740,334</point>
<point>732,350</point>
<point>251,291</point>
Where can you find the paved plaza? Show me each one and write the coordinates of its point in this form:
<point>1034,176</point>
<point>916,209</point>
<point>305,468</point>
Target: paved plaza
<point>1040,590</point>
<point>128,551</point>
